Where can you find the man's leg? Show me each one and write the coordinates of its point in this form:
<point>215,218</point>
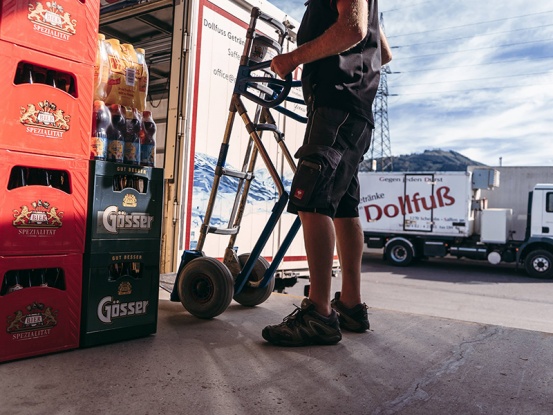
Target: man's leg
<point>314,322</point>
<point>349,238</point>
<point>320,239</point>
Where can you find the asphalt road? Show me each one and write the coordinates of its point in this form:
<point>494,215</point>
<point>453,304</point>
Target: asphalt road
<point>458,289</point>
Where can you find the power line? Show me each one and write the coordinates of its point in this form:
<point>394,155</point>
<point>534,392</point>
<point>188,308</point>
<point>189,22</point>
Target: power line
<point>405,7</point>
<point>474,36</point>
<point>476,79</point>
<point>476,64</point>
<point>469,90</point>
<point>471,24</point>
<point>473,49</point>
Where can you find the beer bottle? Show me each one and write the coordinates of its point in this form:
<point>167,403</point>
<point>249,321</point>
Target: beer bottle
<point>119,182</point>
<point>42,273</point>
<point>101,118</point>
<point>72,90</point>
<point>115,271</point>
<point>116,134</point>
<point>4,288</point>
<point>62,82</point>
<point>131,153</point>
<point>39,75</point>
<point>130,182</point>
<point>51,78</point>
<point>27,76</point>
<point>39,177</point>
<point>135,269</point>
<point>139,184</point>
<point>148,140</point>
<point>18,177</point>
<point>16,286</point>
<point>55,278</point>
<point>60,180</point>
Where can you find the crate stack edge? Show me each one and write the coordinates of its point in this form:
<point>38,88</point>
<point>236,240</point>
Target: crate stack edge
<point>44,171</point>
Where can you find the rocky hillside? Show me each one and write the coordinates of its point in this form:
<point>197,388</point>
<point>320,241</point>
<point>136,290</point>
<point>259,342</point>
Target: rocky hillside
<point>429,160</point>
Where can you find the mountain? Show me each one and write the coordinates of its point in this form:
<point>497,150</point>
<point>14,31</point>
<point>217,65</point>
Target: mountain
<point>429,160</point>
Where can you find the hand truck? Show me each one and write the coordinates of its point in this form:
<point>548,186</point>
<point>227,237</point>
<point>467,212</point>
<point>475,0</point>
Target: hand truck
<point>205,286</point>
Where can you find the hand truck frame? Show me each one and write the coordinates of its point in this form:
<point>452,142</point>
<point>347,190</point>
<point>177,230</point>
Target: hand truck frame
<point>205,286</point>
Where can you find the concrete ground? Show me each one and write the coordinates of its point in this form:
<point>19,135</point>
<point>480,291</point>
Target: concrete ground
<point>407,364</point>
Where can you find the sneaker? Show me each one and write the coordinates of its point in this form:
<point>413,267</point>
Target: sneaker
<point>304,327</point>
<point>352,319</point>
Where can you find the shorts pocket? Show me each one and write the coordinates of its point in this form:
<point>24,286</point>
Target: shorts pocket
<point>314,177</point>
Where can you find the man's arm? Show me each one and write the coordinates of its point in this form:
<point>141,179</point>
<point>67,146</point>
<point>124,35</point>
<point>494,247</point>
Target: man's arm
<point>349,29</point>
<point>385,50</point>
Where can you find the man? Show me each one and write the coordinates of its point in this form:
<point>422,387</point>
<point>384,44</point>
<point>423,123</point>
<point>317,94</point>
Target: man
<point>342,49</point>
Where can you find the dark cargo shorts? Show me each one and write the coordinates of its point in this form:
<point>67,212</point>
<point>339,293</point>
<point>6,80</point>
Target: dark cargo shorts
<point>326,178</point>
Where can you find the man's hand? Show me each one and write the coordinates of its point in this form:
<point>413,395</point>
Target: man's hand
<point>283,64</point>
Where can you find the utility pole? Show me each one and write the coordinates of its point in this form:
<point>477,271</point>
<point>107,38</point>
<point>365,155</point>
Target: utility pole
<point>381,148</point>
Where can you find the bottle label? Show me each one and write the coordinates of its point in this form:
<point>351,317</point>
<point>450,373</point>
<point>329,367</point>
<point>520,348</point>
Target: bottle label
<point>115,151</point>
<point>147,154</point>
<point>132,153</point>
<point>98,147</point>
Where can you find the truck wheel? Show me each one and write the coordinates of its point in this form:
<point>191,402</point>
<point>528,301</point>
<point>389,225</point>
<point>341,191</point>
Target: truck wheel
<point>539,264</point>
<point>205,287</point>
<point>399,253</point>
<point>251,296</point>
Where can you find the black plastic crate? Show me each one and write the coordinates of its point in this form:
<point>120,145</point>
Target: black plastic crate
<point>120,292</point>
<point>125,202</point>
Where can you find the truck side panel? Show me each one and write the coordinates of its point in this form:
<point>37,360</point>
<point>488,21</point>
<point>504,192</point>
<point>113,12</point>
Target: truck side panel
<point>218,45</point>
<point>422,203</point>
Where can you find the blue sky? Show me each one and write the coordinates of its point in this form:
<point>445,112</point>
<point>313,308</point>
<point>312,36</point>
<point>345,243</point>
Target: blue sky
<point>471,76</point>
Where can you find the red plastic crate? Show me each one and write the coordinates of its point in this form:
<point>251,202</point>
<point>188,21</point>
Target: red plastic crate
<point>37,320</point>
<point>39,118</point>
<point>66,28</point>
<point>42,219</point>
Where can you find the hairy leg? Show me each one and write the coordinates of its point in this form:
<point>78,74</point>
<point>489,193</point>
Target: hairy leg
<point>349,239</point>
<point>320,239</point>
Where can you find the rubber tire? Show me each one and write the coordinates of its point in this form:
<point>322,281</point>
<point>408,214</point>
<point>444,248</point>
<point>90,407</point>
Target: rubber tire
<point>539,264</point>
<point>205,287</point>
<point>252,296</point>
<point>399,253</point>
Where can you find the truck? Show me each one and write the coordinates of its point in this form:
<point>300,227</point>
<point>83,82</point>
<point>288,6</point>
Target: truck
<point>418,215</point>
<point>193,51</point>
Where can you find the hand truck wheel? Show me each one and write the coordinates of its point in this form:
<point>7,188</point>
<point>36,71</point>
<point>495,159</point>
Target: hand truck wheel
<point>205,287</point>
<point>250,295</point>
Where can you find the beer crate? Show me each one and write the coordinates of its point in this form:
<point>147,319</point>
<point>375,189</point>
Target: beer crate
<point>125,202</point>
<point>120,292</point>
<point>65,28</point>
<point>40,118</point>
<point>37,319</point>
<point>43,204</point>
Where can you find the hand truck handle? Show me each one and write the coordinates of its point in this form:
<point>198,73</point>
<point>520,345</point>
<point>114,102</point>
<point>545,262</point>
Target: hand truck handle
<point>245,80</point>
<point>258,14</point>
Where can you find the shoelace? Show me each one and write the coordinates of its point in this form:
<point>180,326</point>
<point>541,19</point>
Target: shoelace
<point>292,318</point>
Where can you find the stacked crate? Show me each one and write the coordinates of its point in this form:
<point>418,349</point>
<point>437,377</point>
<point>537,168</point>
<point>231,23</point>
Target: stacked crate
<point>44,170</point>
<point>121,262</point>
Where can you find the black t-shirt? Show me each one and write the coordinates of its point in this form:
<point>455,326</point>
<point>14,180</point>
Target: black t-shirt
<point>348,81</point>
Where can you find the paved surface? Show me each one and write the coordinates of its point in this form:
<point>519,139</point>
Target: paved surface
<point>407,364</point>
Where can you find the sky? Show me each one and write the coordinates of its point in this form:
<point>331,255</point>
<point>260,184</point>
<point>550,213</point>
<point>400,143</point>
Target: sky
<point>472,76</point>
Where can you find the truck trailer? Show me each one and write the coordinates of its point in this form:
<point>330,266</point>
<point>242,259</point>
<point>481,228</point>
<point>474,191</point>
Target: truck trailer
<point>416,215</point>
<point>193,51</point>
